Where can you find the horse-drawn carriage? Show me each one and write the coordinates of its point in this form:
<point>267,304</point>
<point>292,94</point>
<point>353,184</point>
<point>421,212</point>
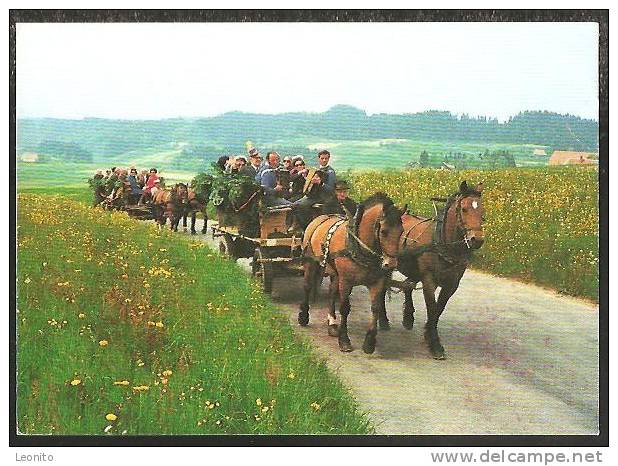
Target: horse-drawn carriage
<point>248,229</point>
<point>363,250</point>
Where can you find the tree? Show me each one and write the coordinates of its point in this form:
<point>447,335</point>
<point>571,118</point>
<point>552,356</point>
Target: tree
<point>424,159</point>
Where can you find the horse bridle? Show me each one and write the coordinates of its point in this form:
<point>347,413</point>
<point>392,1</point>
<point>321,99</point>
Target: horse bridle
<point>379,253</point>
<point>461,226</point>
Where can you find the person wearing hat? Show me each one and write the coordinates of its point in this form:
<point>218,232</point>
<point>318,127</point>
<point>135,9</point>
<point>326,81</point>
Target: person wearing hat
<point>255,162</point>
<point>341,204</point>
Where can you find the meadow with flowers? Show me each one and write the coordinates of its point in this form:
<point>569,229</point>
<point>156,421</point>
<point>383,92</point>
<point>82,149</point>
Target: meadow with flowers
<point>541,223</point>
<point>123,329</point>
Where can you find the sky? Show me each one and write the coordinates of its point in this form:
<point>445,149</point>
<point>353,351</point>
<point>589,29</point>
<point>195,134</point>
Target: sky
<point>166,70</point>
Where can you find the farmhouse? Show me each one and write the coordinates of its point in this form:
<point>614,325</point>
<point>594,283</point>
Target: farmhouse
<point>29,157</point>
<point>539,152</point>
<point>563,157</point>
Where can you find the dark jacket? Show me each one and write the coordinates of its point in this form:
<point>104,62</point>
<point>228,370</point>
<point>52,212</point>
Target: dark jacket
<point>248,170</point>
<point>333,206</point>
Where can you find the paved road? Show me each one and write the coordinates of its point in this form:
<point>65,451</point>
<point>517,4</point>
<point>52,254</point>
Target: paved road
<point>520,360</point>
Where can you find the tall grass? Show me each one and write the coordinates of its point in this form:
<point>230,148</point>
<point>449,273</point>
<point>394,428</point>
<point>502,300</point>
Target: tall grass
<point>123,329</point>
<point>541,223</point>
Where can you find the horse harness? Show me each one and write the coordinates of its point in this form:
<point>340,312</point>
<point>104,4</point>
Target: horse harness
<point>438,246</point>
<point>355,249</point>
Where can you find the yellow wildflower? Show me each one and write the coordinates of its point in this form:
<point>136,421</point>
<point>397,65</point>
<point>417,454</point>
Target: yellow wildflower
<point>258,402</point>
<point>159,324</point>
<point>81,315</point>
<point>103,343</point>
<point>111,417</point>
<point>121,382</point>
<point>75,382</point>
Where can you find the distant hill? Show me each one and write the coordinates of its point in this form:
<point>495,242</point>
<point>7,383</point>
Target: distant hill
<point>107,137</point>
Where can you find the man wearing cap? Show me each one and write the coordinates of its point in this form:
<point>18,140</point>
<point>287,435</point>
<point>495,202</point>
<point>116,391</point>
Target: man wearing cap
<point>341,204</point>
<point>255,161</point>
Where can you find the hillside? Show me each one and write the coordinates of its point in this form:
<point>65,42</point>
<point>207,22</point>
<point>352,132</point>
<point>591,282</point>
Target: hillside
<point>198,139</point>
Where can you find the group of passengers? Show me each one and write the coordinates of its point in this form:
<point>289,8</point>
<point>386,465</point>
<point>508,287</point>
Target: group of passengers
<point>139,187</point>
<point>294,184</point>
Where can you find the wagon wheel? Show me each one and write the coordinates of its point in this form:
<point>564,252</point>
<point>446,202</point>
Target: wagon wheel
<point>227,247</point>
<point>264,270</point>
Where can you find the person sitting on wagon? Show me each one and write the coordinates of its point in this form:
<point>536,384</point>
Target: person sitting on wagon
<point>273,191</point>
<point>315,193</point>
<point>341,204</point>
<point>151,183</point>
<point>136,191</point>
<point>255,163</point>
<point>298,177</point>
<point>330,177</point>
<point>239,163</point>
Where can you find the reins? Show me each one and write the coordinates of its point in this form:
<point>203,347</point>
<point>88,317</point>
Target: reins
<point>438,245</point>
<point>242,207</point>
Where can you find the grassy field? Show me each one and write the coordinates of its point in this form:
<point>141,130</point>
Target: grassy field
<point>397,153</point>
<point>123,329</point>
<point>541,223</point>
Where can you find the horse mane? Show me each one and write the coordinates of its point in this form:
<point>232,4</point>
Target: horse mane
<point>377,198</point>
<point>391,213</point>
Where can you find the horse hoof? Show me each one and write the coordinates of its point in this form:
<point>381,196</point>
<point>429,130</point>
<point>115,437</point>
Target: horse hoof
<point>438,356</point>
<point>438,352</point>
<point>184,228</point>
<point>345,346</point>
<point>385,325</point>
<point>303,319</point>
<point>369,346</point>
<point>408,322</point>
<point>333,330</point>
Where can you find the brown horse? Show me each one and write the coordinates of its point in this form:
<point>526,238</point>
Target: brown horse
<point>198,197</point>
<point>195,204</point>
<point>170,203</point>
<point>362,251</point>
<point>437,252</point>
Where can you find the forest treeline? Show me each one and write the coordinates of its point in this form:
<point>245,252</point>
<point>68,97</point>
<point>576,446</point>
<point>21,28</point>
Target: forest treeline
<point>342,122</point>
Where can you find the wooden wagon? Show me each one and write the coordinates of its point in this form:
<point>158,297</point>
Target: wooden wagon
<point>273,245</point>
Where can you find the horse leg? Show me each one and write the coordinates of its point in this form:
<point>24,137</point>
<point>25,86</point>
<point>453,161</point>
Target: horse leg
<point>205,226</point>
<point>176,217</point>
<point>333,291</point>
<point>344,310</point>
<point>382,317</point>
<point>311,269</point>
<point>376,293</point>
<point>408,310</point>
<point>193,213</point>
<point>184,219</point>
<point>433,314</point>
<point>445,294</point>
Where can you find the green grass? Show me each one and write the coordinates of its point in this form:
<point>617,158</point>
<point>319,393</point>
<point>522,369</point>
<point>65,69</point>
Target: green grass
<point>541,223</point>
<point>397,153</point>
<point>162,304</point>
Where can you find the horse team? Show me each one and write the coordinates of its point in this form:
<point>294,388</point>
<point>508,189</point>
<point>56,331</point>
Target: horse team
<point>365,250</point>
